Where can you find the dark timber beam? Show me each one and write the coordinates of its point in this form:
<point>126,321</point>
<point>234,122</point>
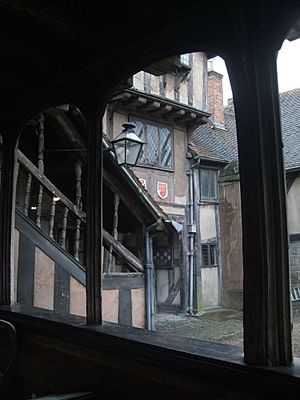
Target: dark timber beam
<point>150,106</point>
<point>120,250</point>
<point>175,114</point>
<point>94,220</point>
<point>7,193</point>
<point>134,102</point>
<point>117,187</point>
<point>267,314</point>
<point>187,117</point>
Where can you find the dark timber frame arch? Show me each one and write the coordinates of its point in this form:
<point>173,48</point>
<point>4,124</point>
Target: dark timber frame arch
<point>246,39</point>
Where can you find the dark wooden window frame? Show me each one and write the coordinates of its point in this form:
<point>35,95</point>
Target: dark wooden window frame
<point>93,287</point>
<point>267,341</point>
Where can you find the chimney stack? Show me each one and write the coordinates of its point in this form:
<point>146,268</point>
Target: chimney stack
<point>215,96</point>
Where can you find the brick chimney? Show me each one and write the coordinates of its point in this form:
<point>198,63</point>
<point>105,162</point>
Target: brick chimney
<point>215,96</point>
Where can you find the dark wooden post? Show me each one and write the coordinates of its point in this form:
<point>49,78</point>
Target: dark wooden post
<point>27,194</point>
<point>41,144</point>
<point>6,217</point>
<point>111,258</point>
<point>52,217</point>
<point>94,220</point>
<point>40,167</point>
<point>64,228</point>
<point>267,320</point>
<point>78,173</point>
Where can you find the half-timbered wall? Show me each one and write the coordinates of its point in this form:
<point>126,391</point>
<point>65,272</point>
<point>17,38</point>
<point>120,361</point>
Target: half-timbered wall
<point>46,278</point>
<point>189,89</point>
<point>169,277</point>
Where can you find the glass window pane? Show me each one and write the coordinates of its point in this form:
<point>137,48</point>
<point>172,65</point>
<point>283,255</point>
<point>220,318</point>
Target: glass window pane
<point>208,179</point>
<point>140,132</point>
<point>152,144</point>
<point>165,147</point>
<point>204,178</point>
<point>205,255</point>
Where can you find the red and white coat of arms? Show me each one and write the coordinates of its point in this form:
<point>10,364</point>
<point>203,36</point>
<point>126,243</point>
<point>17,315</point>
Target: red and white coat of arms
<point>162,190</point>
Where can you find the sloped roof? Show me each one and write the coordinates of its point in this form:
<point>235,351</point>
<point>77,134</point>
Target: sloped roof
<point>210,140</point>
<point>290,123</point>
<point>222,143</point>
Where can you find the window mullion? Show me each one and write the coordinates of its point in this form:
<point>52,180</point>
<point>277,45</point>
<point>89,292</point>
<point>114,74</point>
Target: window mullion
<point>267,313</point>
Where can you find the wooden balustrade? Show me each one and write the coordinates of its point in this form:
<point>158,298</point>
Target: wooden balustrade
<point>27,193</point>
<point>78,174</point>
<point>52,216</point>
<point>69,211</point>
<point>59,203</point>
<point>48,185</point>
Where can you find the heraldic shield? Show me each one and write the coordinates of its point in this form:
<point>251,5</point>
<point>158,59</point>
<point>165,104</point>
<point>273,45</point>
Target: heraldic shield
<point>162,189</point>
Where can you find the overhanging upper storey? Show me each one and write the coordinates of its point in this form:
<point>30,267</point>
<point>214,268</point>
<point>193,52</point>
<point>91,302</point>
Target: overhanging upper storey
<point>167,66</point>
<point>160,108</point>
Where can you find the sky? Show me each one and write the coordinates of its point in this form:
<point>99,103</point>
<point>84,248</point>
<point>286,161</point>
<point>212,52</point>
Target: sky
<point>288,69</point>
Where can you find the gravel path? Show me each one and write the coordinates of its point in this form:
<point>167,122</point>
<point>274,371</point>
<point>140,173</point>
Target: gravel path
<point>223,326</point>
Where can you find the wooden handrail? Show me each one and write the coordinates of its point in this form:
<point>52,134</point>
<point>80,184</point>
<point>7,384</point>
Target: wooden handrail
<point>43,180</point>
<point>121,250</point>
<point>116,246</point>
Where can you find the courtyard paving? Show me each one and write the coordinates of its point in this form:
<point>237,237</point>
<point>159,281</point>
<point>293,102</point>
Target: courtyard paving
<point>218,325</point>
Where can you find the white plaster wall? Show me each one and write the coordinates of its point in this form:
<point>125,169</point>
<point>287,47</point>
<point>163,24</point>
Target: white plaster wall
<point>138,307</point>
<point>44,268</point>
<point>210,285</point>
<point>207,222</point>
<point>293,207</point>
<point>180,200</point>
<point>162,285</point>
<point>196,75</point>
<point>118,121</point>
<point>184,92</point>
<point>138,80</point>
<point>104,122</point>
<point>180,178</point>
<point>155,85</point>
<point>198,60</point>
<point>169,89</point>
<point>173,210</point>
<point>177,273</point>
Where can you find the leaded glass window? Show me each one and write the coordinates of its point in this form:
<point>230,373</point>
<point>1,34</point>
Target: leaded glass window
<point>209,255</point>
<point>208,184</point>
<point>158,148</point>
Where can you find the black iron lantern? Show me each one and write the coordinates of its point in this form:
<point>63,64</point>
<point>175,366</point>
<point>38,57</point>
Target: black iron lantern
<point>127,146</point>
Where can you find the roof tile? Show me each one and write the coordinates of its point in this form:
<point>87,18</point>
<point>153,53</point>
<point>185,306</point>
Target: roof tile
<point>222,143</point>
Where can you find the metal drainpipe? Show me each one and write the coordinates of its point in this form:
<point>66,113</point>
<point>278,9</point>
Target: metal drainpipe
<point>191,233</point>
<point>150,275</point>
<point>148,283</point>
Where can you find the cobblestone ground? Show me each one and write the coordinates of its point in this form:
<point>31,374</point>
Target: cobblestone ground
<point>222,326</point>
